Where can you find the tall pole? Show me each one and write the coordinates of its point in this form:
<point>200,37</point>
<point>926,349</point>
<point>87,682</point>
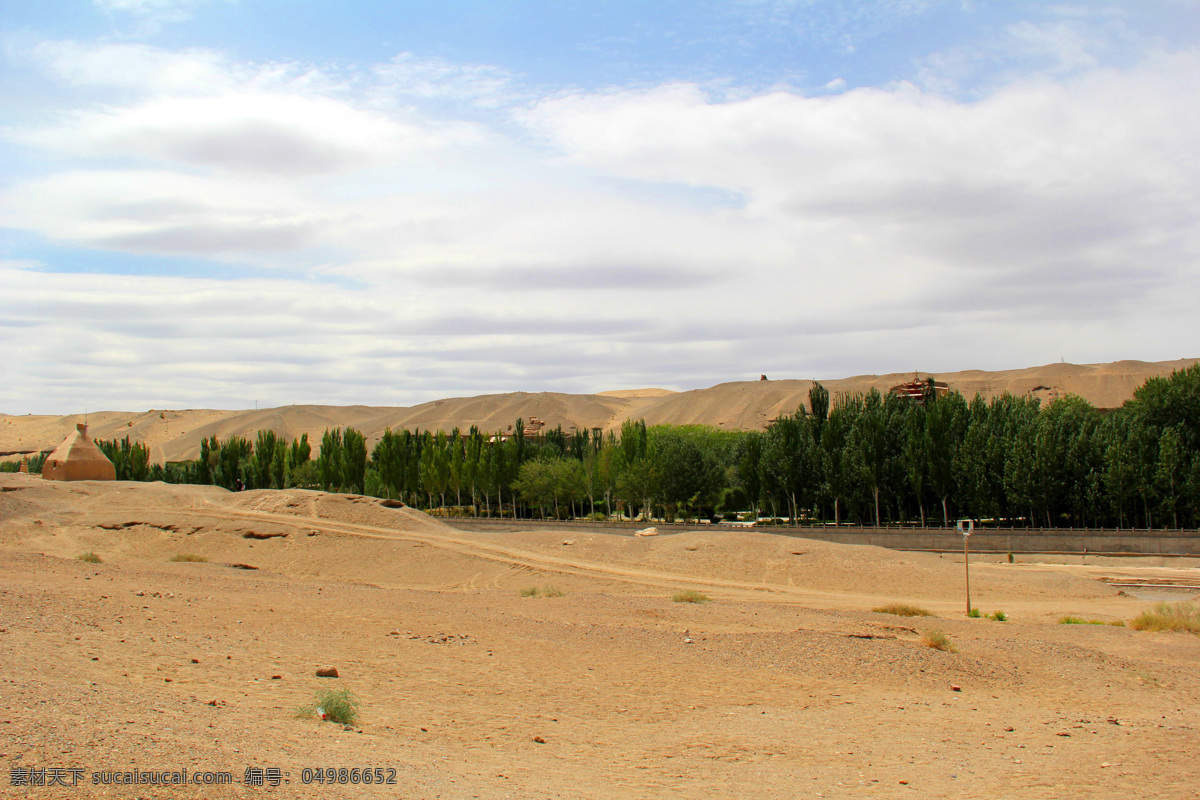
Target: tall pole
<point>967,569</point>
<point>965,526</point>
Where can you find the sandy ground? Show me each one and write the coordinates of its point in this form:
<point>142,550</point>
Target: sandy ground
<point>175,434</point>
<point>790,686</point>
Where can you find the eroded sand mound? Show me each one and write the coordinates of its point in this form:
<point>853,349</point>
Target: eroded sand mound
<point>355,538</point>
<point>781,561</point>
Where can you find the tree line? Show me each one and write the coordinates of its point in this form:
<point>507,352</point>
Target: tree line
<point>869,458</point>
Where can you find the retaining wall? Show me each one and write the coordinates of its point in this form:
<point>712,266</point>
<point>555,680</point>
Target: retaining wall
<point>987,540</point>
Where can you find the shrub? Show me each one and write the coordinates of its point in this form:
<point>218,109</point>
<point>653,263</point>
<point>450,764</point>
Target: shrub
<point>1166,617</point>
<point>188,557</point>
<point>902,610</point>
<point>938,641</point>
<point>974,613</point>
<point>89,557</point>
<point>338,705</point>
<point>545,591</point>
<point>690,596</point>
<point>999,616</point>
<point>1070,620</point>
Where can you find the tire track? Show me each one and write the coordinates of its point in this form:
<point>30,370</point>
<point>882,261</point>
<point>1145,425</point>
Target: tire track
<point>515,557</point>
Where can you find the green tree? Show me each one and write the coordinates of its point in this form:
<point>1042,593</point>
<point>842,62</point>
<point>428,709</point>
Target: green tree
<point>945,424</point>
<point>354,461</point>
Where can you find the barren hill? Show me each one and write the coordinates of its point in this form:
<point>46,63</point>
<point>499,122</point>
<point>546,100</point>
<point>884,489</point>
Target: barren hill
<point>745,405</point>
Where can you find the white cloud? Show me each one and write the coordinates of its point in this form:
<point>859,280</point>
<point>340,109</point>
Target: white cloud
<point>150,15</point>
<point>429,242</point>
<point>247,132</point>
<point>131,66</point>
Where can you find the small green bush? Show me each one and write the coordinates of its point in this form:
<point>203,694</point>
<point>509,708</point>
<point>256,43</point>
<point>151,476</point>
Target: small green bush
<point>545,591</point>
<point>690,596</point>
<point>974,613</point>
<point>902,610</point>
<point>338,706</point>
<point>1166,617</point>
<point>1071,620</point>
<point>189,557</point>
<point>999,616</point>
<point>90,557</point>
<point>938,641</point>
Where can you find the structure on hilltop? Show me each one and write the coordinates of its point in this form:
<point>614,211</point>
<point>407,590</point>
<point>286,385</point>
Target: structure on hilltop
<point>78,459</point>
<point>916,389</point>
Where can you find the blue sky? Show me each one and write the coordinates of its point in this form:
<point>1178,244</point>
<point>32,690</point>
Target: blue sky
<point>218,202</point>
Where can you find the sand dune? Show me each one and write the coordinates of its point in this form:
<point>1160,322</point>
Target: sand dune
<point>175,435</point>
<point>786,681</point>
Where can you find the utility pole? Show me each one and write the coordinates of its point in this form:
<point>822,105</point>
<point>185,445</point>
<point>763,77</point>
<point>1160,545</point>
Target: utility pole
<point>965,526</point>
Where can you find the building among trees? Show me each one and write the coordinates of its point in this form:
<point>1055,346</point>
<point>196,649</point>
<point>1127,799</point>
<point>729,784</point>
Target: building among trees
<point>916,389</point>
<point>78,459</point>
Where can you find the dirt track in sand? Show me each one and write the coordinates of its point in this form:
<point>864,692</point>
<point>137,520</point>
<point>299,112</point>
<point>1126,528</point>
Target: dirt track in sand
<point>790,686</point>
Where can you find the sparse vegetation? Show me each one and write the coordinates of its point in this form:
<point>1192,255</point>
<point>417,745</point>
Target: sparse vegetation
<point>545,591</point>
<point>974,613</point>
<point>999,616</point>
<point>1072,620</point>
<point>338,705</point>
<point>902,610</point>
<point>189,557</point>
<point>690,596</point>
<point>938,641</point>
<point>1183,616</point>
<point>90,558</point>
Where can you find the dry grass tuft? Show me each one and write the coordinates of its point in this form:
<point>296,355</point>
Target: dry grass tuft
<point>90,558</point>
<point>938,641</point>
<point>545,591</point>
<point>1166,617</point>
<point>902,610</point>
<point>690,596</point>
<point>189,557</point>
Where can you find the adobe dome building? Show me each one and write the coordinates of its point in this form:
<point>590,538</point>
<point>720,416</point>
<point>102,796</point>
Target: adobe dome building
<point>78,459</point>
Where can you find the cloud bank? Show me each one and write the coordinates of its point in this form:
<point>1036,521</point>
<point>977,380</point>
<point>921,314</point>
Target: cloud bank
<point>415,229</point>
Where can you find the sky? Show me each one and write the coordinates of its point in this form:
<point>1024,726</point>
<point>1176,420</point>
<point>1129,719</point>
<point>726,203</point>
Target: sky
<point>230,203</point>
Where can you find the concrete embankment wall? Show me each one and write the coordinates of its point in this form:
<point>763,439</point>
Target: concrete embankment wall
<point>989,540</point>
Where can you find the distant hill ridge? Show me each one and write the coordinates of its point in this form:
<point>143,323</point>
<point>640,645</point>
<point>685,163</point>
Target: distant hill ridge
<point>174,435</point>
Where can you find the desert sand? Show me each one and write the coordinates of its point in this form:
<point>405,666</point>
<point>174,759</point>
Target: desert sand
<point>785,685</point>
<point>174,435</point>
